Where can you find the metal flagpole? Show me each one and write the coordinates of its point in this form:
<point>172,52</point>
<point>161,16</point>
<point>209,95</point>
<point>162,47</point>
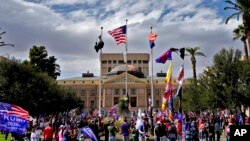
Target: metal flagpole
<point>100,80</point>
<point>152,87</point>
<point>180,96</point>
<point>126,49</point>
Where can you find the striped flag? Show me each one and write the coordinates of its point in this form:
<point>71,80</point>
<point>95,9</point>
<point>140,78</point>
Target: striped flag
<point>180,79</point>
<point>14,110</point>
<point>181,75</point>
<point>89,133</point>
<point>119,34</point>
<point>164,57</point>
<point>151,38</point>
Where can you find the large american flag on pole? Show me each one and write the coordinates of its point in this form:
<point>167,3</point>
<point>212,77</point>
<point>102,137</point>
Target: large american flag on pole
<point>14,110</point>
<point>119,34</point>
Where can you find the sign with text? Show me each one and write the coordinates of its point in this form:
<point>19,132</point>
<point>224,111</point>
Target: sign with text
<point>12,123</point>
<point>239,132</point>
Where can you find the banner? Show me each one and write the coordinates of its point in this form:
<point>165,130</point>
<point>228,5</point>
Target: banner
<point>12,123</point>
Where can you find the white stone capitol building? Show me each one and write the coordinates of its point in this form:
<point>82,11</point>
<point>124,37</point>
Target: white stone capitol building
<point>113,82</point>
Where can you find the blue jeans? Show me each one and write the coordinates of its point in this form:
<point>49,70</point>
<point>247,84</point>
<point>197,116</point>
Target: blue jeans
<point>111,138</point>
<point>125,138</point>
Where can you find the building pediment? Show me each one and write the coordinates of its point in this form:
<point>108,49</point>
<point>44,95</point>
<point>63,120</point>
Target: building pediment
<point>122,79</point>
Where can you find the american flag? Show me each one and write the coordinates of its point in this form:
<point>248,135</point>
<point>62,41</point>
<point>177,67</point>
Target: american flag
<point>119,34</point>
<point>14,110</point>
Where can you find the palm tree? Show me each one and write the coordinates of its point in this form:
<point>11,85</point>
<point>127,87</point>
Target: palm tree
<point>242,7</point>
<point>2,43</point>
<point>239,33</point>
<point>194,52</point>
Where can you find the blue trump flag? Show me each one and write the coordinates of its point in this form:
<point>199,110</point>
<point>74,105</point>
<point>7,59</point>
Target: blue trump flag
<point>12,123</point>
<point>89,133</point>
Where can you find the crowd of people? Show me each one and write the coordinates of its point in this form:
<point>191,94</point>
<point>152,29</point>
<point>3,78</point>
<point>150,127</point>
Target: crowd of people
<point>202,126</point>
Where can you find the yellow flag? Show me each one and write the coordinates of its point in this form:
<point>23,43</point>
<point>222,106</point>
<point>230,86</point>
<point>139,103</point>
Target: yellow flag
<point>169,73</point>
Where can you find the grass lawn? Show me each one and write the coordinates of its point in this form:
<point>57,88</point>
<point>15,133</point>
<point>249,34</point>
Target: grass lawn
<point>2,137</point>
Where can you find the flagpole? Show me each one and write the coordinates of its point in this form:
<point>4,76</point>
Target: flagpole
<point>126,52</point>
<point>100,79</point>
<point>180,96</point>
<point>152,88</point>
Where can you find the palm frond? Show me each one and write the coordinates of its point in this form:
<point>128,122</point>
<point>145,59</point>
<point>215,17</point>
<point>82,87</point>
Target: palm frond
<point>232,3</point>
<point>231,8</point>
<point>200,54</point>
<point>231,16</point>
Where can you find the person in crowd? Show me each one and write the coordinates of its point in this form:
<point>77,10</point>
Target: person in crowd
<point>112,131</point>
<point>33,136</point>
<point>211,131</point>
<point>157,130</point>
<point>179,130</point>
<point>227,131</point>
<point>188,133</point>
<point>106,131</point>
<point>60,133</point>
<point>142,132</point>
<point>94,127</point>
<point>202,131</point>
<point>66,133</point>
<point>125,130</point>
<point>172,132</point>
<point>217,129</point>
<point>48,133</point>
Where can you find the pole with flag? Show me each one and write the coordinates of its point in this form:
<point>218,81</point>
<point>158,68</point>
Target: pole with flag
<point>181,78</point>
<point>152,38</point>
<point>98,46</point>
<point>100,81</point>
<point>126,56</point>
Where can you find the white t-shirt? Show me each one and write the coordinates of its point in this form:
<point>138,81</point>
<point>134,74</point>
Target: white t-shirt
<point>33,137</point>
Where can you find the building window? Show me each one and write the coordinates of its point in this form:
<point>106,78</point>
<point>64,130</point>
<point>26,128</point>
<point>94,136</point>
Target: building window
<point>129,61</point>
<point>109,61</point>
<point>83,103</point>
<point>104,62</point>
<point>116,91</point>
<point>120,62</point>
<point>148,92</point>
<point>134,62</point>
<point>92,92</point>
<point>145,62</point>
<point>139,61</point>
<point>83,92</point>
<point>116,100</point>
<point>133,101</point>
<point>123,91</point>
<point>133,91</point>
<point>139,69</point>
<point>157,92</point>
<point>114,61</point>
<point>109,69</point>
<point>92,103</point>
<point>157,103</point>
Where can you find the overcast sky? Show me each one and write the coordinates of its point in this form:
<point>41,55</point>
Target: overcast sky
<point>69,29</point>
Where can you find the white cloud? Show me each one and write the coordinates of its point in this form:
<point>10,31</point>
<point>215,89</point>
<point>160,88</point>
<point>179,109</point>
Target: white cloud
<point>69,35</point>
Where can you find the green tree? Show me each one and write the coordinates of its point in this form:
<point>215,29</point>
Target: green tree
<point>23,85</point>
<point>227,80</point>
<point>194,52</point>
<point>39,58</point>
<point>241,7</point>
<point>239,33</point>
